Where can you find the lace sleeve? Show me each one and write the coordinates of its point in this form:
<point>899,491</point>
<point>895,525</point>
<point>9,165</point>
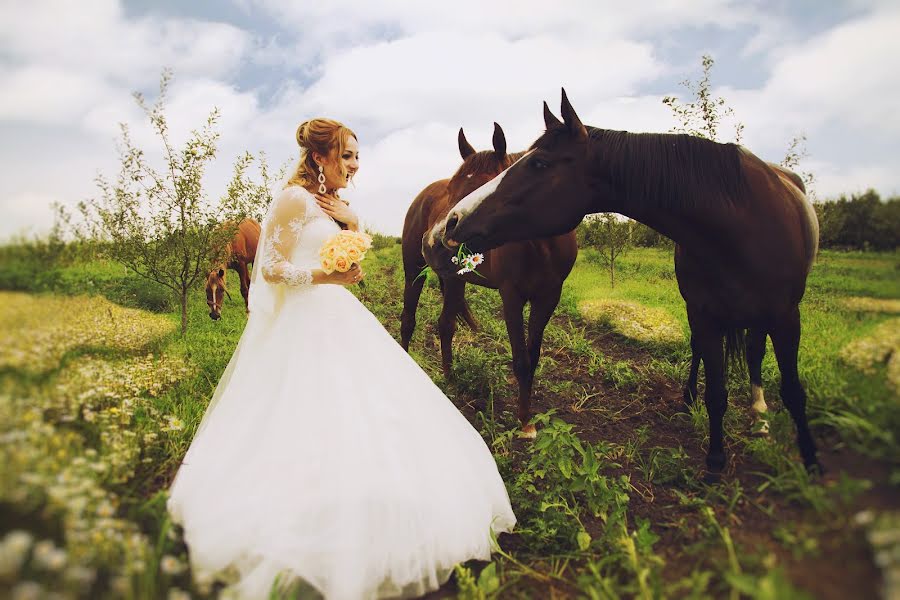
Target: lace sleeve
<point>282,235</point>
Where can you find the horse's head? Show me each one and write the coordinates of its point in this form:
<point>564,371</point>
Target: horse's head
<point>215,291</point>
<point>544,193</point>
<point>477,169</point>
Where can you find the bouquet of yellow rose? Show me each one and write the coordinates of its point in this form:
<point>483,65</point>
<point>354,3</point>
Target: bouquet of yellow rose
<point>343,249</point>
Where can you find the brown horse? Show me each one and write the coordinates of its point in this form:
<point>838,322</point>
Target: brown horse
<point>239,252</point>
<point>525,271</point>
<point>756,347</point>
<point>747,237</point>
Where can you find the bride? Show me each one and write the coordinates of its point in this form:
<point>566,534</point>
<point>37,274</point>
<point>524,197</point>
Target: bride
<point>327,460</point>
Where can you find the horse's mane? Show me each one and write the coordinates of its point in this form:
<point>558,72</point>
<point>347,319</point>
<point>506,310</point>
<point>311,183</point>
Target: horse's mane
<point>486,161</point>
<point>660,170</point>
<point>663,170</point>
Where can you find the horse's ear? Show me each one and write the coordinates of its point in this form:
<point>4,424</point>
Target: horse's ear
<point>465,148</point>
<point>576,128</point>
<point>221,272</point>
<point>550,119</point>
<point>499,141</point>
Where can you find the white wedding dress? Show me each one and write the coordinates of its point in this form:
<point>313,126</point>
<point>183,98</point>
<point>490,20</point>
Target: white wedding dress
<point>327,457</point>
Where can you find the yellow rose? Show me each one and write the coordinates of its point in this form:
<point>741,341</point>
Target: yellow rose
<point>328,264</point>
<point>354,254</point>
<point>342,262</point>
<point>329,251</point>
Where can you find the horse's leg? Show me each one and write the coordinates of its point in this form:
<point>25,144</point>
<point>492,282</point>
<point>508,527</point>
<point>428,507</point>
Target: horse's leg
<point>513,305</point>
<point>690,386</point>
<point>454,296</point>
<point>708,338</point>
<point>244,276</point>
<point>786,340</point>
<point>756,351</point>
<point>412,290</point>
<point>541,310</point>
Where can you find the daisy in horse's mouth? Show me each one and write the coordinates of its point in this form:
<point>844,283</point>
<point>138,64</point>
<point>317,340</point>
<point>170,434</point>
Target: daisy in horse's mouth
<point>467,260</point>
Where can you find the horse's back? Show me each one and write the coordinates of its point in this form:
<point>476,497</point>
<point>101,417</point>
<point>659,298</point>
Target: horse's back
<point>795,195</point>
<point>245,241</point>
<point>789,176</point>
<point>782,231</point>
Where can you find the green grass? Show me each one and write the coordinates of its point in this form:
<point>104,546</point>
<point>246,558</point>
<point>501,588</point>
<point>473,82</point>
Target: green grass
<point>862,408</point>
<point>583,530</point>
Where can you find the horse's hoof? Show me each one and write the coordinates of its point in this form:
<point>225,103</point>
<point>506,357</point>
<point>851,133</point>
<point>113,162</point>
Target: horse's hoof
<point>529,432</point>
<point>815,469</point>
<point>761,429</point>
<point>687,402</point>
<point>715,463</point>
<point>712,477</point>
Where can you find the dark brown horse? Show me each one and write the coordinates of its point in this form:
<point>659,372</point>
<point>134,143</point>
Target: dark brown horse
<point>239,252</point>
<point>756,347</point>
<point>525,271</point>
<point>746,233</point>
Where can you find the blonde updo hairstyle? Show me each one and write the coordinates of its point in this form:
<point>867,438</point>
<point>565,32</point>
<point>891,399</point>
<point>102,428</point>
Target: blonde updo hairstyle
<point>323,136</point>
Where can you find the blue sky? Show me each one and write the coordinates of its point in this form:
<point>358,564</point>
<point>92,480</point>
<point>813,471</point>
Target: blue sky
<point>406,75</point>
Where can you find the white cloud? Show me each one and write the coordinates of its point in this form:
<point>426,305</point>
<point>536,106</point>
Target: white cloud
<point>410,81</point>
<point>48,94</point>
<point>94,37</point>
<point>833,180</point>
<point>839,90</point>
<point>328,26</point>
<point>406,75</point>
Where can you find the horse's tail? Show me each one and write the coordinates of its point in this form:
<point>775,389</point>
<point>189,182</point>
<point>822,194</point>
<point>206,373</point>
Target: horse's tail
<point>465,315</point>
<point>736,349</point>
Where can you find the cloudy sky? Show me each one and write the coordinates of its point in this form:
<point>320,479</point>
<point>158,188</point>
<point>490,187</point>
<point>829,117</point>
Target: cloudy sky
<point>405,75</point>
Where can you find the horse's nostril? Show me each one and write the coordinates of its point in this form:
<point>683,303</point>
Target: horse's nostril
<point>452,222</point>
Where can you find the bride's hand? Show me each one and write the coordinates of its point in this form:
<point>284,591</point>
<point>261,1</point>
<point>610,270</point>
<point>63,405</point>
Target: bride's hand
<point>351,277</point>
<point>337,209</point>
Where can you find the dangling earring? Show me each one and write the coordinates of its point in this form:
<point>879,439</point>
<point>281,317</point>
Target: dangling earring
<point>322,188</point>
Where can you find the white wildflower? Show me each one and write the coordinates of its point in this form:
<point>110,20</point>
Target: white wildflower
<point>171,565</point>
<point>28,590</point>
<point>173,423</point>
<point>178,594</point>
<point>18,540</point>
<point>80,575</point>
<point>121,585</point>
<point>47,556</point>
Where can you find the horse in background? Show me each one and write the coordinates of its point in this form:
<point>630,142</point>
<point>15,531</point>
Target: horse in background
<point>530,271</point>
<point>238,254</point>
<point>746,232</point>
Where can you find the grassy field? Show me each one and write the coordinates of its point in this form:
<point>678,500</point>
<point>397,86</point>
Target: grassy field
<point>100,398</point>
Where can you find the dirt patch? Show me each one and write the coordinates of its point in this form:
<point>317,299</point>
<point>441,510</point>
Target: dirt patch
<point>837,565</point>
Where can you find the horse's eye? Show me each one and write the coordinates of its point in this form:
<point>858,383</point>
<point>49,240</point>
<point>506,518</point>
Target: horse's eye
<point>539,164</point>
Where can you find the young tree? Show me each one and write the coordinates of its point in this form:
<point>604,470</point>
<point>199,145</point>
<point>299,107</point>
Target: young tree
<point>610,235</point>
<point>160,223</point>
<point>703,117</point>
<point>795,154</point>
<point>246,198</point>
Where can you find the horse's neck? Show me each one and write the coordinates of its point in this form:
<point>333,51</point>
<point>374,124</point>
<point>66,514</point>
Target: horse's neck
<point>690,227</point>
<point>637,190</point>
